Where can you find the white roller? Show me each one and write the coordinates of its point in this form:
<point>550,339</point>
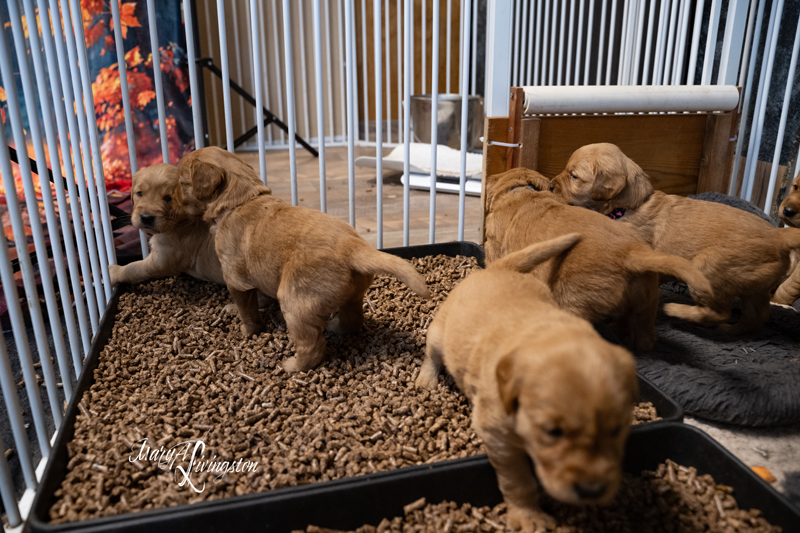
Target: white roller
<point>627,99</point>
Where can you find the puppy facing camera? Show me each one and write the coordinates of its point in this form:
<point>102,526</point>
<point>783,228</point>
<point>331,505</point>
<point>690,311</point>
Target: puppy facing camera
<point>543,384</point>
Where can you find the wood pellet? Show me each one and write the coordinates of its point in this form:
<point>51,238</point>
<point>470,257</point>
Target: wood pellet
<point>177,369</point>
<point>671,499</point>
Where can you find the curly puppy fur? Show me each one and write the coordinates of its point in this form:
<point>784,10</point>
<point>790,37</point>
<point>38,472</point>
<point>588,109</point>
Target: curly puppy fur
<point>742,255</point>
<point>610,276</point>
<point>313,263</point>
<point>543,384</point>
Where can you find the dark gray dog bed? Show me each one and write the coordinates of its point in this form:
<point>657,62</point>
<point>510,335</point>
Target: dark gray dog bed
<point>751,381</point>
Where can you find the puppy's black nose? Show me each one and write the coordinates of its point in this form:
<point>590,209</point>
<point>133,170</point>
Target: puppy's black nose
<point>590,491</point>
<point>552,185</point>
<point>789,212</point>
<point>147,220</point>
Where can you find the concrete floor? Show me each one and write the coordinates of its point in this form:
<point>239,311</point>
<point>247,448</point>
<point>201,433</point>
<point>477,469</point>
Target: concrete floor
<point>777,449</point>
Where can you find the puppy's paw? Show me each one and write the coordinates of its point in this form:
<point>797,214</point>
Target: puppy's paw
<point>231,308</point>
<point>292,365</point>
<point>428,376</point>
<point>530,520</point>
<point>252,329</point>
<point>114,274</point>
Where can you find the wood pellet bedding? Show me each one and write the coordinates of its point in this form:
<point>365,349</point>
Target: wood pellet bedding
<point>177,369</point>
<point>671,499</point>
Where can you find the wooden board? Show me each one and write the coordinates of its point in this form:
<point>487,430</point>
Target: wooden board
<point>716,164</point>
<point>529,150</point>
<point>667,147</point>
<point>494,157</point>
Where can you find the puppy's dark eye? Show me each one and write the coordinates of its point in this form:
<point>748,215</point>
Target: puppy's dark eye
<point>556,432</point>
<point>168,198</point>
<point>138,193</point>
<point>573,176</point>
<point>794,187</point>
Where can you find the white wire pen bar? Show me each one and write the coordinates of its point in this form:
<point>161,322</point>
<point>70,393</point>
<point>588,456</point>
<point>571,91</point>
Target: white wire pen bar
<point>339,73</point>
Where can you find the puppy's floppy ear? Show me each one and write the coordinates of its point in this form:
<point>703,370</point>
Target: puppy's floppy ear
<point>607,183</point>
<point>508,383</point>
<point>206,178</point>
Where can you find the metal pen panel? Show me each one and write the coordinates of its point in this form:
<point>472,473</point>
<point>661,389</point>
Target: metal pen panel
<point>328,69</point>
<point>474,47</point>
<point>424,45</point>
<point>197,119</point>
<point>157,81</point>
<point>787,97</point>
<point>259,110</point>
<point>263,79</point>
<point>462,182</point>
<point>526,37</point>
<point>648,43</point>
<point>57,224</point>
<point>552,59</point>
<point>763,93</point>
<point>389,75</point>
<point>217,138</point>
<point>624,41</point>
<point>277,49</point>
<point>303,70</point>
<point>7,496</point>
<point>599,74</point>
<point>400,51</point>
<point>681,51</point>
<point>529,44</point>
<point>126,100</point>
<point>673,16</point>
<point>323,193</point>
<point>562,26</point>
<point>434,118</point>
<point>377,41</point>
<point>537,54</point>
<point>238,55</point>
<point>733,39</point>
<point>637,54</point>
<point>7,384</point>
<point>407,121</point>
<point>70,85</point>
<point>29,283</point>
<point>661,42</point>
<point>589,27</point>
<point>287,50</point>
<point>570,40</point>
<point>698,24</point>
<point>515,49</point>
<point>611,36</point>
<point>63,205</point>
<point>711,42</point>
<point>226,75</point>
<point>365,67</point>
<point>48,288</point>
<point>106,239</point>
<point>448,30</point>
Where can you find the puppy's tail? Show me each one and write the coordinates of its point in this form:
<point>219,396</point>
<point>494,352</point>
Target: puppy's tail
<point>369,261</point>
<point>672,265</point>
<point>528,258</point>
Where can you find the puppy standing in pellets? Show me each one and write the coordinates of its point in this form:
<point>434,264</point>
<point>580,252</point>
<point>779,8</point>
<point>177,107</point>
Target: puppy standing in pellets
<point>313,263</point>
<point>542,384</point>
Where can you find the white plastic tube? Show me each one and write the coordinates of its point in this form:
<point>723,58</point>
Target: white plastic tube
<point>627,99</point>
<point>226,75</point>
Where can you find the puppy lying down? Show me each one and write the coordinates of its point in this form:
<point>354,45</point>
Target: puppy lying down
<point>542,383</point>
<point>789,212</point>
<point>742,255</point>
<point>181,241</point>
<point>313,263</point>
<point>610,276</point>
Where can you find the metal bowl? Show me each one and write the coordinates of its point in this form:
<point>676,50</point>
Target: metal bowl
<point>449,120</point>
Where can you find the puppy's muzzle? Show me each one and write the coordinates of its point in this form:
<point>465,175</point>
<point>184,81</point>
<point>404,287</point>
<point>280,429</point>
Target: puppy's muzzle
<point>147,220</point>
<point>590,491</point>
<point>552,186</point>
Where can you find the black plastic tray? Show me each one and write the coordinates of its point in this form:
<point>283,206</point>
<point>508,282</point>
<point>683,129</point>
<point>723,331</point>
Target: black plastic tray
<point>221,515</point>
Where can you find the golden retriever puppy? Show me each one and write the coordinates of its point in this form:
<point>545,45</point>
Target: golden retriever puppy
<point>313,263</point>
<point>610,276</point>
<point>181,241</point>
<point>742,255</point>
<point>542,383</point>
<point>789,291</point>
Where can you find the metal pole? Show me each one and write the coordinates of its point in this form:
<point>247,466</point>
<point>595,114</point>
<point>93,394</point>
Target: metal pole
<point>462,183</point>
<point>377,41</point>
<point>407,110</point>
<point>259,111</point>
<point>288,62</point>
<point>711,42</point>
<point>323,194</point>
<point>226,76</point>
<point>159,85</point>
<point>434,116</point>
